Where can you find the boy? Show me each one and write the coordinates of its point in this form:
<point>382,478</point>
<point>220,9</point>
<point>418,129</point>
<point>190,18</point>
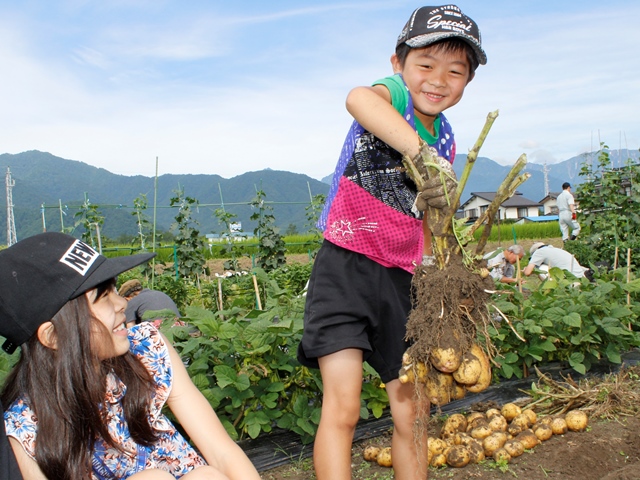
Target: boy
<point>359,292</point>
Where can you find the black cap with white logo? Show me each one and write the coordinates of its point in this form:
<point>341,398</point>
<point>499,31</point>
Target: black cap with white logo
<point>39,274</point>
<point>428,25</point>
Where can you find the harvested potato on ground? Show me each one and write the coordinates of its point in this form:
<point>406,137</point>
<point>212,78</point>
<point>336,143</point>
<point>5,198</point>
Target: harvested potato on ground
<point>559,426</point>
<point>577,420</point>
<point>521,420</point>
<point>546,420</point>
<point>468,373</point>
<point>493,442</point>
<point>528,439</point>
<point>439,460</point>
<point>543,431</point>
<point>514,448</point>
<point>436,445</point>
<point>462,438</point>
<point>514,429</point>
<point>501,455</point>
<point>370,453</point>
<point>384,457</point>
<point>457,421</point>
<point>498,423</point>
<point>492,412</point>
<point>458,456</point>
<point>531,415</point>
<point>457,391</point>
<point>481,432</point>
<point>473,415</point>
<point>476,452</point>
<point>510,411</point>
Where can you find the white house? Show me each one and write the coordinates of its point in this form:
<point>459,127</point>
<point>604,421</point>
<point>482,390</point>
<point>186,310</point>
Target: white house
<point>513,208</point>
<point>550,203</point>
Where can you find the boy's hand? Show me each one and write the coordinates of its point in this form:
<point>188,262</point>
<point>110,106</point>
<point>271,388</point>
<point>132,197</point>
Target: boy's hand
<point>433,194</point>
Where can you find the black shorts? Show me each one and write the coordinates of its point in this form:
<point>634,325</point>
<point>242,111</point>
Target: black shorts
<point>354,302</point>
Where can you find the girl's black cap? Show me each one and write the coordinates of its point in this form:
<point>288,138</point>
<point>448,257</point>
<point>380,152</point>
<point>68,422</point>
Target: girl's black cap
<point>39,274</point>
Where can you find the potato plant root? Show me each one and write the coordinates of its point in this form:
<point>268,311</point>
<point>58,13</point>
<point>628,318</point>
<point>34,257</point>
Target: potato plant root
<point>448,306</point>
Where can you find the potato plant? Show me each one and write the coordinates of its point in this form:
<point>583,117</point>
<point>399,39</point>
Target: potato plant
<point>560,322</point>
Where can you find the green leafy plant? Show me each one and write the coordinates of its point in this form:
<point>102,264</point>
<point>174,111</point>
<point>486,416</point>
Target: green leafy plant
<point>272,250</point>
<point>189,244</point>
<point>231,237</point>
<point>90,219</point>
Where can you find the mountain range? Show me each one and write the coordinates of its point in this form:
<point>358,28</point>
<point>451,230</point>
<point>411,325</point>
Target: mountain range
<point>48,191</point>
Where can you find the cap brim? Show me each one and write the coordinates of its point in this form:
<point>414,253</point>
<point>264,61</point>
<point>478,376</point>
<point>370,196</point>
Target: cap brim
<point>111,268</point>
<point>431,38</point>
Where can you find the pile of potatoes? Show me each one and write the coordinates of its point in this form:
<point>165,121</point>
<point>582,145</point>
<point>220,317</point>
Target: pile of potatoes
<point>449,374</point>
<point>499,434</point>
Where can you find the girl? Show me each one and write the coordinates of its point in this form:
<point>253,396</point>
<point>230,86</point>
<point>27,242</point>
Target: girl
<point>85,398</point>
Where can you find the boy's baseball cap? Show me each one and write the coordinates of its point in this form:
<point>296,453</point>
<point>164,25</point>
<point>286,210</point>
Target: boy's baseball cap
<point>40,274</point>
<point>428,25</point>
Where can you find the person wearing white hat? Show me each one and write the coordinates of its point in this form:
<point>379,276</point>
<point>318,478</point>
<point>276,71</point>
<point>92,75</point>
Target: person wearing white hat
<point>545,256</point>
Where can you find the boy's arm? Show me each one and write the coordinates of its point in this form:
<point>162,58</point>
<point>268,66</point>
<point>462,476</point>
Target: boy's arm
<point>204,428</point>
<point>371,107</point>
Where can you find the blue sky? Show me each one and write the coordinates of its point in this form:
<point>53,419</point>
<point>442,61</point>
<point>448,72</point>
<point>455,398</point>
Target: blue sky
<point>227,87</point>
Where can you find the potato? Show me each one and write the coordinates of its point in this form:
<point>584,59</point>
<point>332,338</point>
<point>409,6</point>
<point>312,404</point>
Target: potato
<point>492,412</point>
<point>476,452</point>
<point>384,457</point>
<point>436,445</point>
<point>514,429</point>
<point>406,375</point>
<point>457,421</point>
<point>501,455</point>
<point>439,460</point>
<point>371,453</point>
<point>473,415</point>
<point>446,360</point>
<point>457,391</point>
<point>437,387</point>
<point>521,420</point>
<point>577,420</point>
<point>559,426</point>
<point>510,411</point>
<point>468,373</point>
<point>485,375</point>
<point>528,439</point>
<point>546,420</point>
<point>477,422</point>
<point>493,442</point>
<point>531,415</point>
<point>480,433</point>
<point>514,448</point>
<point>543,431</point>
<point>498,423</point>
<point>462,439</point>
<point>458,456</point>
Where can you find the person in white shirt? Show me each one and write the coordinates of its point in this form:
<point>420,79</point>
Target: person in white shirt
<point>567,214</point>
<point>545,257</point>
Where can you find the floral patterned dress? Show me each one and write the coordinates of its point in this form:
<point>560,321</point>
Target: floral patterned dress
<point>171,452</point>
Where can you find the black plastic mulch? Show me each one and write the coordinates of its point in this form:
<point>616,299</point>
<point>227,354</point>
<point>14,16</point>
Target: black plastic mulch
<point>282,447</point>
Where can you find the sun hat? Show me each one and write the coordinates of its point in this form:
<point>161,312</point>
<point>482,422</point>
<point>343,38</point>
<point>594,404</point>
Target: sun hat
<point>428,25</point>
<point>128,287</point>
<point>535,247</point>
<point>40,274</point>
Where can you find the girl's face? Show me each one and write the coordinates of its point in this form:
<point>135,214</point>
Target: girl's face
<point>109,310</point>
<point>436,80</point>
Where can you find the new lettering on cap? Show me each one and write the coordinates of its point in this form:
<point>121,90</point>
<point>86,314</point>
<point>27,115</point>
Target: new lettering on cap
<point>39,274</point>
<point>428,25</point>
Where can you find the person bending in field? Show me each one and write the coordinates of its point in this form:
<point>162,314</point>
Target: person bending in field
<point>85,399</point>
<point>501,264</point>
<point>359,295</point>
<point>544,257</point>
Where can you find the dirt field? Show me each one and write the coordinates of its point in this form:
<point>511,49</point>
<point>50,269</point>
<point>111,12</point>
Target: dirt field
<point>610,450</point>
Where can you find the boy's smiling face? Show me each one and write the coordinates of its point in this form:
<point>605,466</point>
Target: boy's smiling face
<point>436,80</point>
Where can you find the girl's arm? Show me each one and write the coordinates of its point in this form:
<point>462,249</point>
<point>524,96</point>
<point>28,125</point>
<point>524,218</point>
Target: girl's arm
<point>371,107</point>
<point>204,428</point>
<point>28,466</point>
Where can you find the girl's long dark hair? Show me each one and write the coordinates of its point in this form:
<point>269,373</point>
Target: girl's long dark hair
<point>66,389</point>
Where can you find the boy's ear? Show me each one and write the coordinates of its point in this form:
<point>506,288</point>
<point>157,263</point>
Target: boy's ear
<point>395,63</point>
<point>473,74</point>
<point>47,335</point>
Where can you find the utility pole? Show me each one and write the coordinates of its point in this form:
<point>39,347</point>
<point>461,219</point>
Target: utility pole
<point>11,224</point>
<point>546,179</point>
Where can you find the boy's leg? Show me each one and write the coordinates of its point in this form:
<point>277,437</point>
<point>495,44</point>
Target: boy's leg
<point>342,382</point>
<point>408,462</point>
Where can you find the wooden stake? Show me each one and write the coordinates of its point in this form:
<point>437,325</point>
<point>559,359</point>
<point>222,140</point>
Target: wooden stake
<point>255,286</point>
<point>220,295</point>
<point>615,258</point>
<point>628,279</point>
<point>519,274</point>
